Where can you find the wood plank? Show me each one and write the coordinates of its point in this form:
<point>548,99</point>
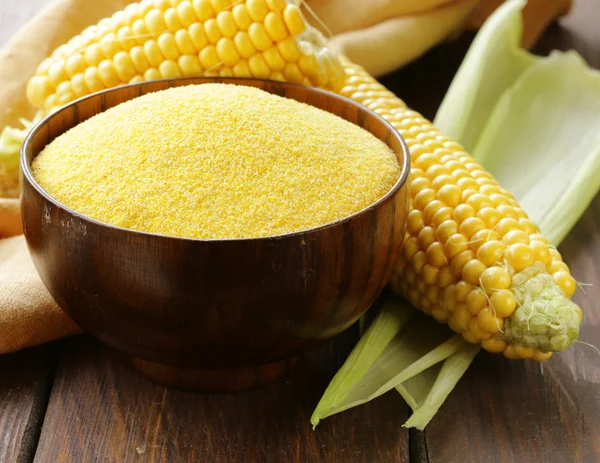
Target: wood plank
<point>25,377</point>
<point>101,410</point>
<point>25,384</point>
<point>507,411</point>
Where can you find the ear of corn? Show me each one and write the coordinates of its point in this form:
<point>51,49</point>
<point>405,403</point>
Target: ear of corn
<point>156,39</point>
<point>471,256</point>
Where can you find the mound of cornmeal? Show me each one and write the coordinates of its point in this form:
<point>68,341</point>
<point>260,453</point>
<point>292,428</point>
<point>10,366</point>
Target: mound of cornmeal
<point>216,161</point>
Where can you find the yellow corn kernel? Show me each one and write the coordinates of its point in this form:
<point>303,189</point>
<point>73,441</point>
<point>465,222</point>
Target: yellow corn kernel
<point>259,37</point>
<point>78,85</point>
<point>490,252</point>
<point>57,73</point>
<point>184,43</point>
<point>541,356</point>
<point>220,5</point>
<point>442,214</point>
<point>241,17</point>
<point>566,282</point>
<point>418,262</point>
<point>430,210</point>
<point>503,303</point>
<point>494,345</point>
<point>169,69</point>
<point>172,20</point>
<point>209,58</point>
<point>168,46</point>
<point>75,64</point>
<point>108,74</point>
<point>415,221</point>
<point>463,212</point>
<point>476,331</point>
<point>519,256</point>
<point>516,236</point>
<point>227,52</point>
<point>490,216</point>
<point>137,80</point>
<point>241,69</point>
<point>450,195</point>
<point>470,226</point>
<point>524,352</point>
<point>257,9</point>
<point>446,277</point>
<point>292,73</point>
<point>274,59</point>
<point>445,230</point>
<point>462,316</point>
<point>244,44</point>
<point>155,22</point>
<point>294,20</point>
<point>225,72</point>
<point>152,74</point>
<point>203,9</point>
<point>124,66</point>
<point>476,301</point>
<point>275,27</point>
<point>212,31</point>
<point>138,57</point>
<point>495,278</point>
<point>426,237</point>
<point>488,322</point>
<point>258,67</point>
<point>92,55</point>
<point>92,79</point>
<point>185,10</point>
<point>190,65</point>
<point>226,23</point>
<point>510,353</point>
<point>436,256</point>
<point>472,270</point>
<point>277,75</point>
<point>197,35</point>
<point>455,244</point>
<point>410,247</point>
<point>140,31</point>
<point>276,5</point>
<point>153,53</point>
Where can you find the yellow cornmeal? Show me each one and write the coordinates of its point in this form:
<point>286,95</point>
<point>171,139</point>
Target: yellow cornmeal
<point>216,161</point>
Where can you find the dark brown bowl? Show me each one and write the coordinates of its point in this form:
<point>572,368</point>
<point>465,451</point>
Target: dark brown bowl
<point>239,308</point>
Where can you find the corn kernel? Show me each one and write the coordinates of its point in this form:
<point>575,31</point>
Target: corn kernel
<point>433,294</point>
<point>488,322</point>
<point>494,345</point>
<point>257,9</point>
<point>241,69</point>
<point>419,184</point>
<point>423,198</point>
<point>528,225</point>
<point>425,160</point>
<point>259,37</point>
<point>276,5</point>
<point>152,74</point>
<point>435,255</point>
<point>108,74</point>
<point>155,22</point>
<point>426,237</point>
<point>476,301</point>
<point>185,10</point>
<point>458,262</point>
<point>227,52</point>
<point>212,31</point>
<point>274,59</point>
<point>467,183</point>
<point>225,72</point>
<point>441,215</point>
<point>524,352</point>
<point>209,58</point>
<point>140,31</point>
<point>506,225</point>
<point>503,303</point>
<point>445,277</point>
<point>430,274</point>
<point>241,17</point>
<point>510,353</point>
<point>244,44</point>
<point>507,211</point>
<point>490,252</point>
<point>92,79</point>
<point>190,65</point>
<point>258,66</point>
<point>168,46</point>
<point>455,244</point>
<point>445,230</point>
<point>203,9</point>
<point>436,170</point>
<point>124,66</point>
<point>172,20</point>
<point>445,180</point>
<point>226,23</point>
<point>470,226</point>
<point>430,210</point>
<point>184,43</point>
<point>197,35</point>
<point>75,64</point>
<point>479,201</point>
<point>450,195</point>
<point>220,5</point>
<point>566,282</point>
<point>495,278</point>
<point>57,73</point>
<point>462,317</point>
<point>463,212</point>
<point>153,53</point>
<point>439,314</point>
<point>415,221</point>
<point>541,356</point>
<point>475,330</point>
<point>294,20</point>
<point>78,85</point>
<point>169,70</point>
<point>519,256</point>
<point>516,236</point>
<point>410,247</point>
<point>557,266</point>
<point>472,270</point>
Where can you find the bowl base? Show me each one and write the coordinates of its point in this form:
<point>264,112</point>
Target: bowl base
<point>235,380</point>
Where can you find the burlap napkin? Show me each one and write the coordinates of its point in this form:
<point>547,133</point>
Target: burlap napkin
<point>380,35</point>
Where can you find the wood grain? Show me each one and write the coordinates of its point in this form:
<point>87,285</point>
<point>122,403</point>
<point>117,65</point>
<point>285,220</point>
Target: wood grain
<point>25,377</point>
<point>508,411</point>
<point>25,381</point>
<point>101,410</point>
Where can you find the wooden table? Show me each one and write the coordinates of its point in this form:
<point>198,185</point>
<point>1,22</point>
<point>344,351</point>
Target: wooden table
<point>77,401</point>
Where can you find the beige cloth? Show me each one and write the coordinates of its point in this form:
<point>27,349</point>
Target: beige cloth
<point>378,34</point>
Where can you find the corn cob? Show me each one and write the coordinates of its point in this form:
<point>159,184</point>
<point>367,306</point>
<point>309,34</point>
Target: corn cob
<point>156,39</point>
<point>471,257</point>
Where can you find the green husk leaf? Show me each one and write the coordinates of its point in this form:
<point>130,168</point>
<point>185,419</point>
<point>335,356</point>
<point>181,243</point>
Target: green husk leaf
<point>542,141</point>
<point>385,327</point>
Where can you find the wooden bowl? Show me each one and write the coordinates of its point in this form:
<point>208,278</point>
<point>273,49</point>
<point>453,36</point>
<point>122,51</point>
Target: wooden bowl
<point>213,315</point>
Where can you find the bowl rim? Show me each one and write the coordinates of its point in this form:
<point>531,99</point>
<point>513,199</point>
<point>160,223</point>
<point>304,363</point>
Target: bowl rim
<point>200,80</point>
